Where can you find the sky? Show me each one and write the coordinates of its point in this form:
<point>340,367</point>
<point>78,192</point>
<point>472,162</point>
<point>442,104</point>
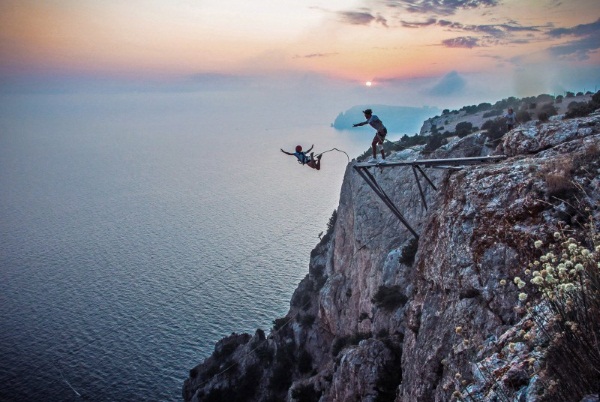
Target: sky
<point>401,51</point>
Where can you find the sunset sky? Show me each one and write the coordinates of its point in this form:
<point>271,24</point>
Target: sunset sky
<point>520,47</point>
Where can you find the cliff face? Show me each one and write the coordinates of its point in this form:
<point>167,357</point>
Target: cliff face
<point>381,317</point>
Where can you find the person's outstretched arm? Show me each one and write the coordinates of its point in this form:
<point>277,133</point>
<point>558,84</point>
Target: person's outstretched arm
<point>287,153</point>
<point>360,124</point>
<point>309,149</point>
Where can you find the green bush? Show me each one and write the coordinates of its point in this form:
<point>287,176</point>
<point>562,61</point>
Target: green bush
<point>340,343</point>
<point>306,321</point>
<point>278,323</point>
<point>546,111</point>
<point>464,128</point>
<point>409,251</point>
<point>582,109</point>
<point>523,116</point>
<point>435,141</point>
<point>389,297</point>
<point>304,362</point>
<point>306,393</point>
<point>495,129</point>
<point>566,277</point>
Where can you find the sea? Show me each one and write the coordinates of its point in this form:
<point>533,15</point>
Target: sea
<point>138,229</point>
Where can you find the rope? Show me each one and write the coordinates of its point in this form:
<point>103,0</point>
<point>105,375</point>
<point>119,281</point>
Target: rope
<point>334,149</point>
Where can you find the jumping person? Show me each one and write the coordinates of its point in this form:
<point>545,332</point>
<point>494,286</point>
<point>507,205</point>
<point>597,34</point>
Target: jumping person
<point>377,124</point>
<point>304,159</point>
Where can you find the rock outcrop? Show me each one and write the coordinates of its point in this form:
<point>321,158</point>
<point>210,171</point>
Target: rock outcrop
<point>383,317</point>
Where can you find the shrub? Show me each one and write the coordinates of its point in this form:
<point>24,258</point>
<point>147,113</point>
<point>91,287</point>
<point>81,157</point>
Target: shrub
<point>495,129</point>
<point>558,177</point>
<point>435,141</point>
<point>409,251</point>
<point>581,109</point>
<point>523,116</point>
<point>568,281</point>
<point>330,227</point>
<point>390,375</point>
<point>304,362</point>
<point>464,128</point>
<point>493,113</point>
<point>389,297</point>
<point>306,393</point>
<point>340,343</point>
<point>264,354</point>
<point>282,378</point>
<point>278,323</point>
<point>306,321</point>
<point>559,184</point>
<point>546,111</point>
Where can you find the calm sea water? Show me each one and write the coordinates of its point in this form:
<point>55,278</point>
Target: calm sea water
<point>137,230</point>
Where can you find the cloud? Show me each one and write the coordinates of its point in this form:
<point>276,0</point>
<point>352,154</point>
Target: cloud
<point>423,24</point>
<point>588,40</point>
<point>451,84</point>
<point>315,55</point>
<point>468,42</point>
<point>356,17</point>
<point>361,18</point>
<point>495,30</point>
<point>437,7</point>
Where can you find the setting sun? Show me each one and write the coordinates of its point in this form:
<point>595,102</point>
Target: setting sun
<point>368,83</point>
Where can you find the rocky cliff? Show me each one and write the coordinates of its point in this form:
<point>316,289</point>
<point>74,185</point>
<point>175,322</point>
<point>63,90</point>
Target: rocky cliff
<point>456,315</point>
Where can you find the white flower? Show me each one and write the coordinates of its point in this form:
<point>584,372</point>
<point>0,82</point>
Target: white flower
<point>522,296</point>
<point>503,282</point>
<point>538,244</point>
<point>578,267</point>
<point>556,235</point>
<point>537,280</point>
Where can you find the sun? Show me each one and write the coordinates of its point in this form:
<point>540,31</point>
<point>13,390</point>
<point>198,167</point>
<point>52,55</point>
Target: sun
<point>368,83</point>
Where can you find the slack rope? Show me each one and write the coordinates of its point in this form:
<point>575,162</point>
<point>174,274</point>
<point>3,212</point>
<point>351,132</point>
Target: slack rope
<point>335,149</point>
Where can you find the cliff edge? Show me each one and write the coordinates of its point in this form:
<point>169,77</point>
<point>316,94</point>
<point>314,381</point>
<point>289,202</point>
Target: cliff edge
<point>456,315</point>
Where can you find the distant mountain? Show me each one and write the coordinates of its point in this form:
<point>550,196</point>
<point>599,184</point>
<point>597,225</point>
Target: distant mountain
<point>397,119</point>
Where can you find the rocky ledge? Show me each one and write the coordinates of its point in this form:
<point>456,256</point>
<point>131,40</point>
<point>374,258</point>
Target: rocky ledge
<point>479,308</point>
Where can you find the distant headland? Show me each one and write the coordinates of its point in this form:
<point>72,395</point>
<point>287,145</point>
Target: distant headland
<point>397,119</point>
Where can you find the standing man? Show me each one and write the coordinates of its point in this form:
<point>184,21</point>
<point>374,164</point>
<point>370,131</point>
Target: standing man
<point>511,119</point>
<point>377,124</point>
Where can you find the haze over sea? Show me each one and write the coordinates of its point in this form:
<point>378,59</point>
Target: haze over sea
<point>138,229</point>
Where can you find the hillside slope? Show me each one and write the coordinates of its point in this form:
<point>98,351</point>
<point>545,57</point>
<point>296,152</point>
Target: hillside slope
<point>381,317</point>
<point>534,106</point>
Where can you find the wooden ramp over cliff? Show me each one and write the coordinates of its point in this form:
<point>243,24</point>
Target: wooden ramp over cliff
<point>417,165</point>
